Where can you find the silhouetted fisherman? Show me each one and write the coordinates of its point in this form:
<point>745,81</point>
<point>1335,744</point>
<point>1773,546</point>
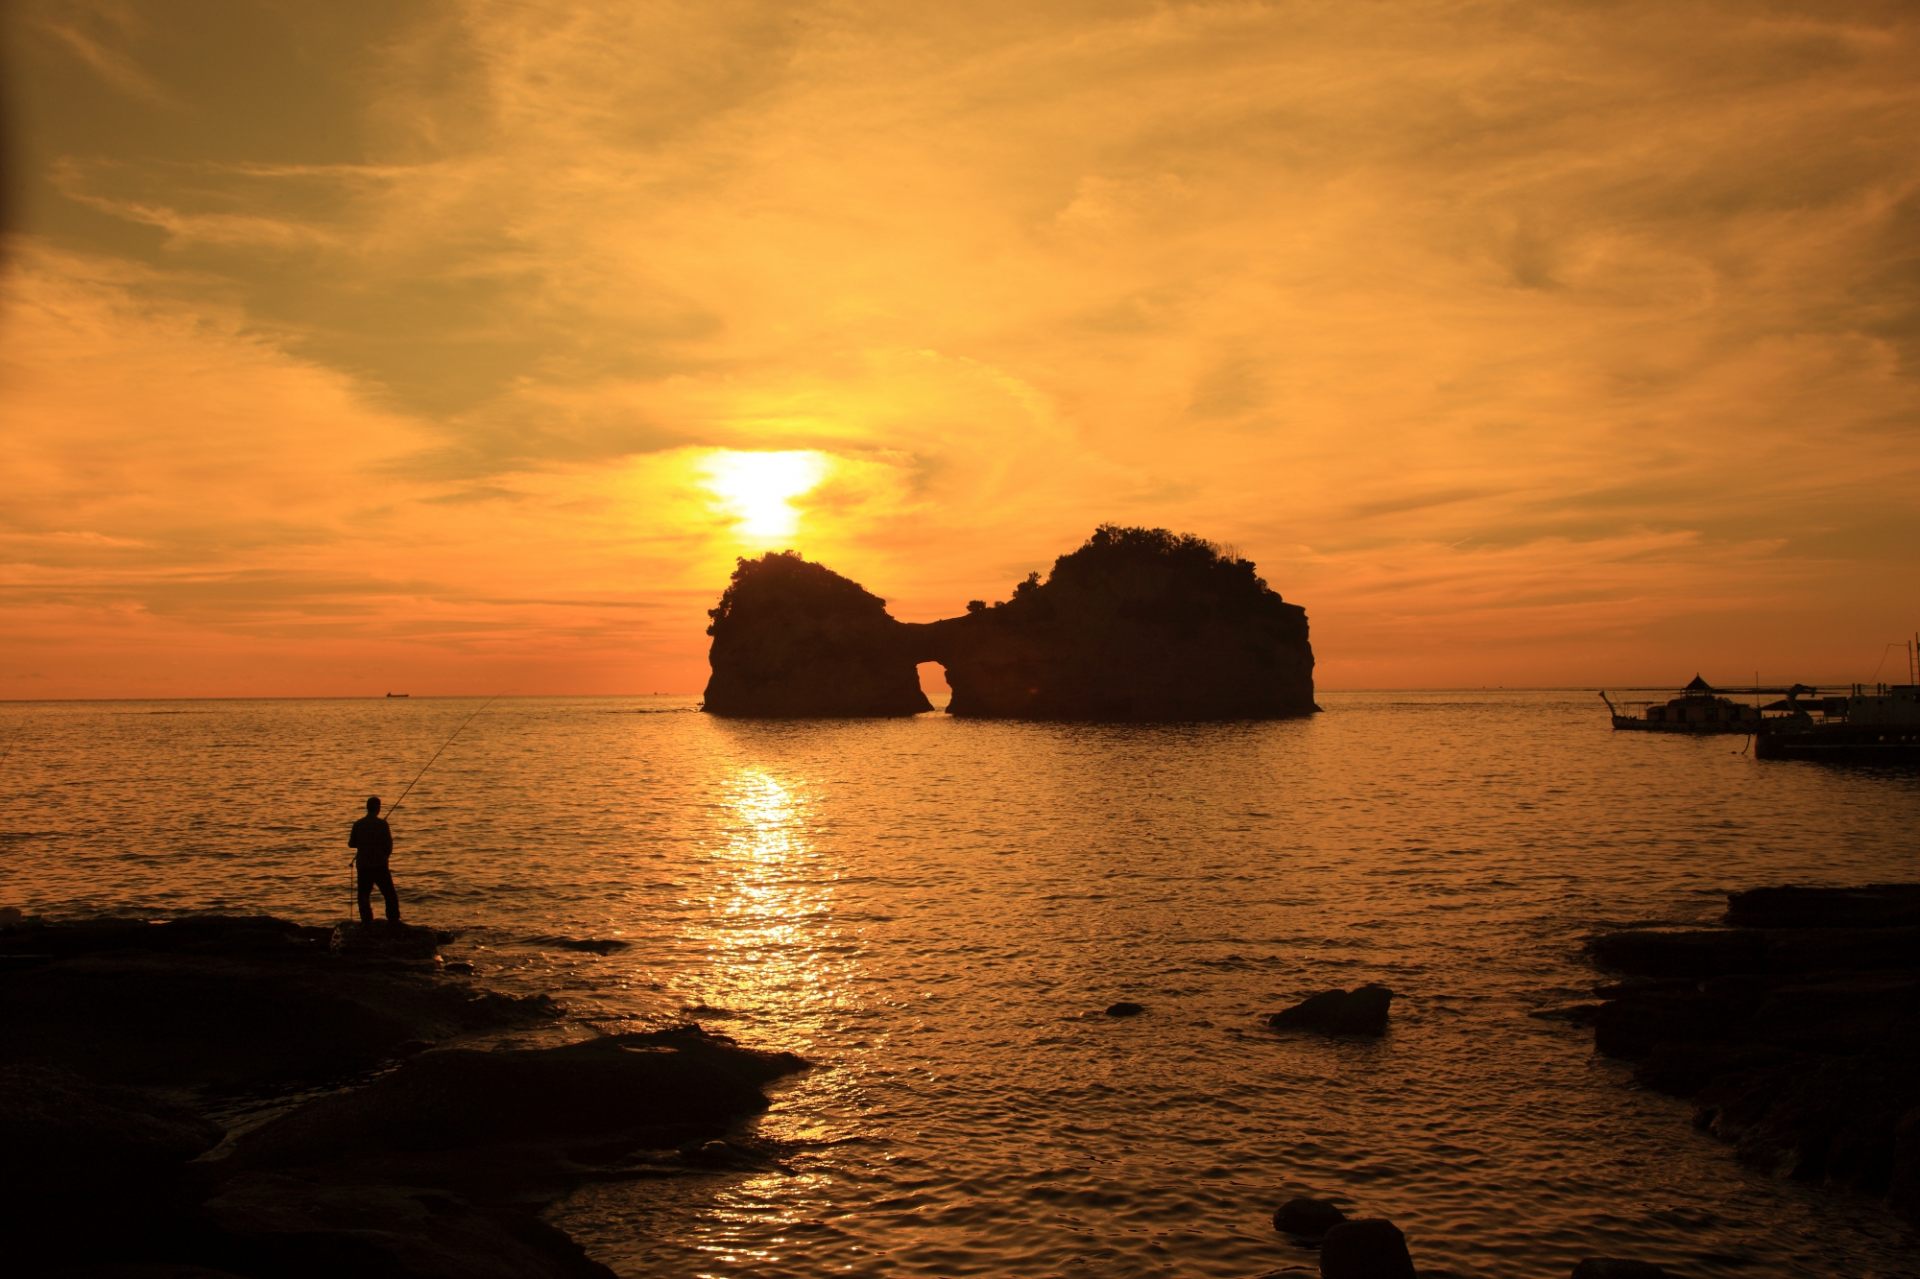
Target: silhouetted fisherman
<point>372,843</point>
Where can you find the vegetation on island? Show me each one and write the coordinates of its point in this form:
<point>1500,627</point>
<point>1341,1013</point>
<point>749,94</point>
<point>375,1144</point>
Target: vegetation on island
<point>783,582</point>
<point>1146,574</point>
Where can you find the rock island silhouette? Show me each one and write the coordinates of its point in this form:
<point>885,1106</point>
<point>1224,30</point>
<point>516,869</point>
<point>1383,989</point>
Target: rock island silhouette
<point>1137,624</point>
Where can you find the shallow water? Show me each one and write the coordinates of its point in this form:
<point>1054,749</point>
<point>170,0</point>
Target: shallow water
<point>935,911</point>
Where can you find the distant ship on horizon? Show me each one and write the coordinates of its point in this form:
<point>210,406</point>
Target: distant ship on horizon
<point>399,694</point>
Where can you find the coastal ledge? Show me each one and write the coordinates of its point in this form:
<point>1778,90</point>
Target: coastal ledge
<point>127,1040</point>
<point>1793,1030</point>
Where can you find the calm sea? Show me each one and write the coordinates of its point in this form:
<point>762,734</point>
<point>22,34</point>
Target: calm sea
<point>935,912</point>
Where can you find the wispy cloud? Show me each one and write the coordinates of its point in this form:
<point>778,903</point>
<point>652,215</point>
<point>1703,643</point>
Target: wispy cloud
<point>96,34</point>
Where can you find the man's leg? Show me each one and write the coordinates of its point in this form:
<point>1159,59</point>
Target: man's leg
<point>366,893</point>
<point>385,880</point>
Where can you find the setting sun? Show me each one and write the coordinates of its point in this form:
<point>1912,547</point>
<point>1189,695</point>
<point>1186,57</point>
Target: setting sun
<point>757,489</point>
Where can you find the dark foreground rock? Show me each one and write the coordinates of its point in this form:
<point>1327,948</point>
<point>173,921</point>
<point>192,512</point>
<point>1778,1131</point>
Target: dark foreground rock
<point>1792,906</point>
<point>1793,1032</point>
<point>322,1228</point>
<point>588,1101</point>
<point>1360,1011</point>
<point>1370,1248</point>
<point>435,1168</point>
<point>1137,624</point>
<point>227,1002</point>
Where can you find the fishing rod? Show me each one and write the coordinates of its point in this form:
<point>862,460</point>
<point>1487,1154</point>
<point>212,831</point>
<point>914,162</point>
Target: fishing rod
<point>437,754</point>
<point>352,880</point>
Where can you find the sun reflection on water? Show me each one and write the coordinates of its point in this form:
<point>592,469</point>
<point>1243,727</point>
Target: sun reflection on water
<point>778,955</point>
<point>772,939</point>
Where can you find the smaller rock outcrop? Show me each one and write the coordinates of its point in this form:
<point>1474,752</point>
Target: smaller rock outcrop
<point>794,639</point>
<point>1370,1248</point>
<point>1125,1008</point>
<point>1360,1011</point>
<point>1306,1218</point>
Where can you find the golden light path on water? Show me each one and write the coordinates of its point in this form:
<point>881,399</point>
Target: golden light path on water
<point>773,935</point>
<point>772,905</point>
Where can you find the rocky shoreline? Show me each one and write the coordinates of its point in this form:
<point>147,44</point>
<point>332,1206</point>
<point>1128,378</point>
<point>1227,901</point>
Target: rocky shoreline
<point>1793,1030</point>
<point>130,1044</point>
<point>408,1130</point>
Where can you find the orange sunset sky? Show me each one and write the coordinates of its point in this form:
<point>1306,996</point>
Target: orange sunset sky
<point>460,346</point>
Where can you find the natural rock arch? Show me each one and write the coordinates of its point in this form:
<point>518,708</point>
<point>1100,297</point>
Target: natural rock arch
<point>1137,624</point>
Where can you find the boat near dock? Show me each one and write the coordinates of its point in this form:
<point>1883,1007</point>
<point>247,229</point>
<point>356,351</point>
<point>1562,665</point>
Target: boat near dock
<point>1699,708</point>
<point>1880,725</point>
<point>1850,724</point>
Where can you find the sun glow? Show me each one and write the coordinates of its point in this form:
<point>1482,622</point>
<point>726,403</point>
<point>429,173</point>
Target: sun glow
<point>757,489</point>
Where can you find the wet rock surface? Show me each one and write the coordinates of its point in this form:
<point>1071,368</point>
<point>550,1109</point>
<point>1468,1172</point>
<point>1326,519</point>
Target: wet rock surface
<point>1793,1031</point>
<point>124,1035</point>
<point>1360,1011</point>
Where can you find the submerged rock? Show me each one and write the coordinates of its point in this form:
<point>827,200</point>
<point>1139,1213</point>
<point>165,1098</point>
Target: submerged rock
<point>1125,1008</point>
<point>1360,1011</point>
<point>1137,624</point>
<point>1370,1248</point>
<point>1307,1218</point>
